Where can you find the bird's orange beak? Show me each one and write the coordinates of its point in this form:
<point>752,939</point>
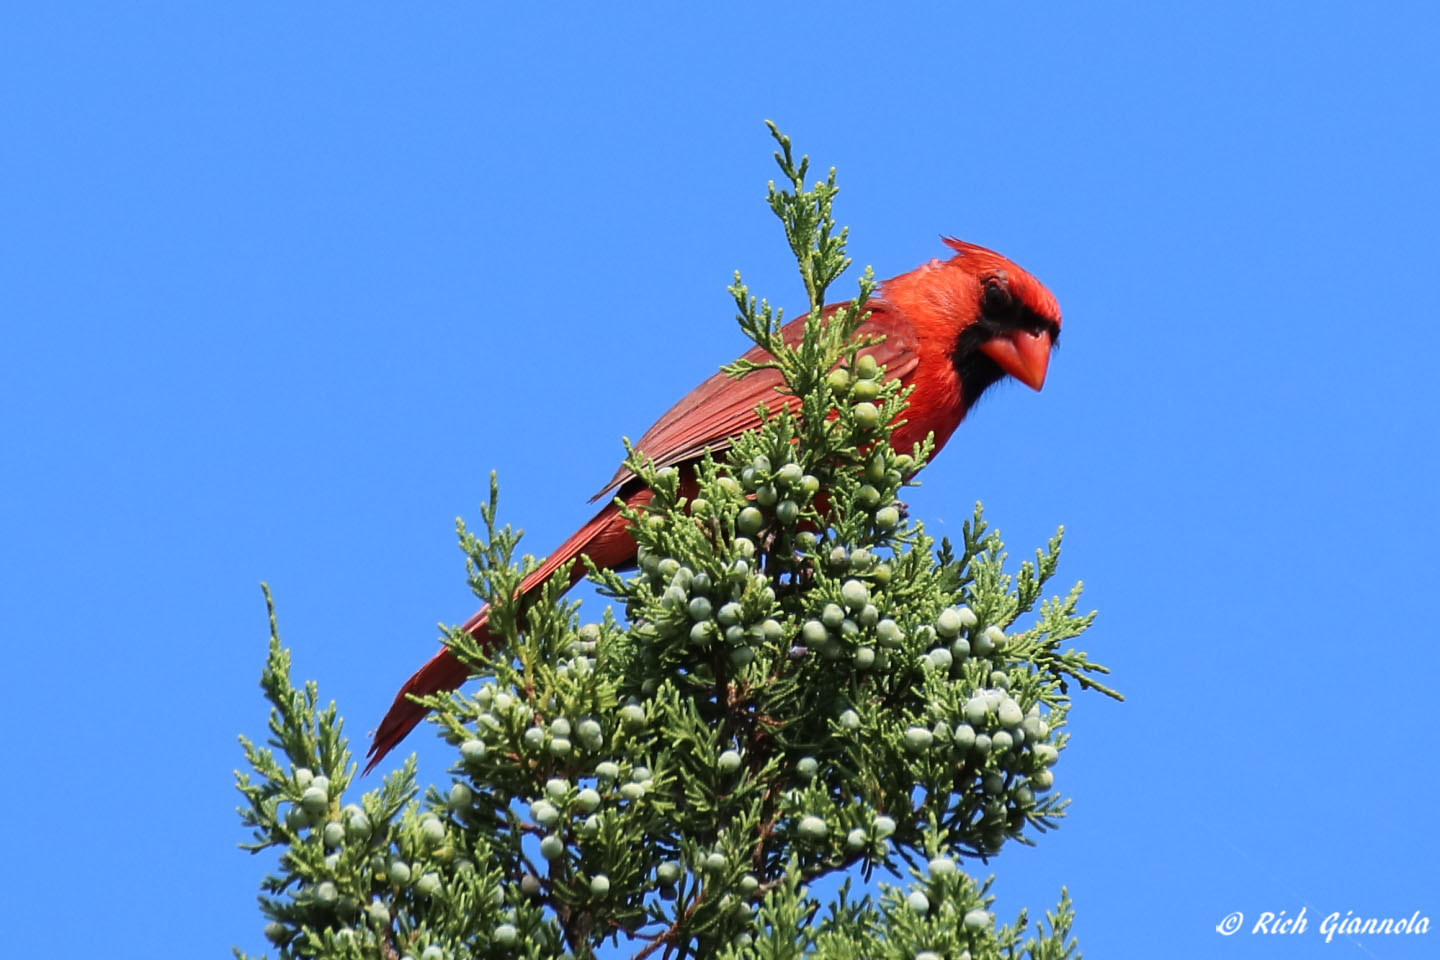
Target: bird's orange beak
<point>1022,354</point>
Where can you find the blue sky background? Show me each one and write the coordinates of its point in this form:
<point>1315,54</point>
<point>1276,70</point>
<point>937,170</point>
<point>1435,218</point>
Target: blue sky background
<point>279,286</point>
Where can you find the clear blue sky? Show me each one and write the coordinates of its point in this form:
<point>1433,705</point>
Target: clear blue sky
<point>280,284</point>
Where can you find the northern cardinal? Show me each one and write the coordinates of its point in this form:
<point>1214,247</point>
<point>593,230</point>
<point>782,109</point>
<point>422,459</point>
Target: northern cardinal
<point>952,329</point>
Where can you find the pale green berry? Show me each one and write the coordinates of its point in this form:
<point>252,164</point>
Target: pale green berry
<point>333,834</point>
<point>1023,796</point>
<point>357,825</point>
<point>976,709</point>
<point>590,827</point>
<point>544,813</point>
<point>700,608</point>
<point>766,495</point>
<point>560,746</point>
<point>812,827</point>
<point>715,861</point>
<point>940,658</point>
<point>398,872</point>
<point>867,416</point>
<point>729,761</point>
<point>633,716</point>
<point>379,913</point>
<point>1042,780</point>
<point>866,368</point>
<point>855,594</point>
<point>964,736</point>
<point>632,791</point>
<point>588,800</point>
<point>787,511</point>
<point>855,839</point>
<point>807,767</point>
<point>304,776</point>
<point>918,902</point>
<point>863,658</point>
<point>948,623</point>
<point>960,648</point>
<point>865,390</point>
<point>889,634</point>
<point>503,702</point>
<point>314,800</point>
<point>850,720</point>
<point>432,830</point>
<point>884,826</point>
<point>556,788</point>
<point>432,952</point>
<point>839,380</point>
<point>750,521</point>
<point>668,872</point>
<point>789,474</point>
<point>976,919</point>
<point>1010,714</point>
<point>326,892</point>
<point>472,751</point>
<point>276,932</point>
<point>918,738</point>
<point>995,635</point>
<point>881,574</point>
<point>887,518</point>
<point>552,847</point>
<point>506,934</point>
<point>741,657</point>
<point>332,862</point>
<point>639,773</point>
<point>729,614</point>
<point>608,769</point>
<point>749,884</point>
<point>771,630</point>
<point>942,866</point>
<point>928,955</point>
<point>461,797</point>
<point>728,485</point>
<point>1001,741</point>
<point>982,743</point>
<point>993,784</point>
<point>833,615</point>
<point>534,738</point>
<point>599,885</point>
<point>1035,728</point>
<point>810,485</point>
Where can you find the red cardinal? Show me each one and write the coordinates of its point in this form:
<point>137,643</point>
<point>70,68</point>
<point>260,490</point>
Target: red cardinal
<point>952,329</point>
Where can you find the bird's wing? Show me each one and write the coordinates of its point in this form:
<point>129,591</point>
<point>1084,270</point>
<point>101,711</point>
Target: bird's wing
<point>721,408</point>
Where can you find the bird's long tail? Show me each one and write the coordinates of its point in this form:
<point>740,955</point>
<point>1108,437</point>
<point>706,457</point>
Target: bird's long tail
<point>605,539</point>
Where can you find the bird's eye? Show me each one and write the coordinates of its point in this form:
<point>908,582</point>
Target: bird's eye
<point>996,299</point>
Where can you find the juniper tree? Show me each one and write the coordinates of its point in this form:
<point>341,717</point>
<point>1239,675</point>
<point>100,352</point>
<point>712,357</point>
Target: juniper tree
<point>796,682</point>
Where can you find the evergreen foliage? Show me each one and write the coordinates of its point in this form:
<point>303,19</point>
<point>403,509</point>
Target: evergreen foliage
<point>795,682</point>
